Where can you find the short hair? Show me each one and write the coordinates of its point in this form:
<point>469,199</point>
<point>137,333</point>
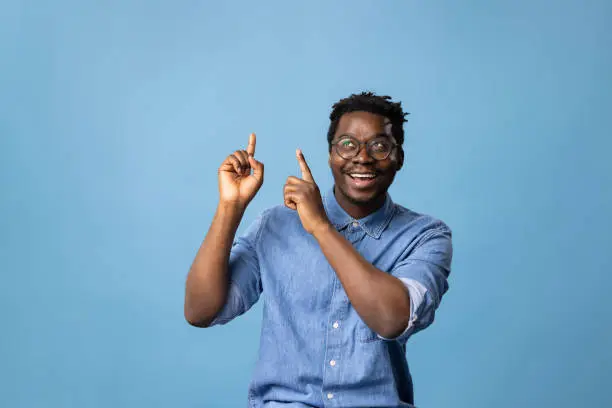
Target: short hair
<point>369,102</point>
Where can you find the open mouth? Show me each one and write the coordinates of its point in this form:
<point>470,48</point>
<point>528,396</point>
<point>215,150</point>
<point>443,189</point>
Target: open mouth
<point>362,179</point>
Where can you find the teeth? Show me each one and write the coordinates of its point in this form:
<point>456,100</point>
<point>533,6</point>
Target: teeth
<point>355,175</point>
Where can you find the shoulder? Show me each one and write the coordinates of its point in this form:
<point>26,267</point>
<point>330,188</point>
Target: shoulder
<point>419,224</point>
<point>278,218</point>
<point>278,222</point>
<point>423,236</point>
<point>278,213</point>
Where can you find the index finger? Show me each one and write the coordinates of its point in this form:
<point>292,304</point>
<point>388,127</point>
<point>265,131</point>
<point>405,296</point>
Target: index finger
<point>306,174</point>
<point>251,147</point>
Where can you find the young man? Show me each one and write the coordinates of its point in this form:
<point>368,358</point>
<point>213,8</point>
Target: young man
<point>346,277</point>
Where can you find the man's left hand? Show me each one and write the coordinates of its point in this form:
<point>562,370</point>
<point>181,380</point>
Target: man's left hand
<point>304,196</point>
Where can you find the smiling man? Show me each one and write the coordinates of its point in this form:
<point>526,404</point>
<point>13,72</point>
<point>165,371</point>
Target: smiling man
<point>346,277</point>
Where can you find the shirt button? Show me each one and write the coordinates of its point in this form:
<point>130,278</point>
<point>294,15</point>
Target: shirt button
<point>332,363</point>
<point>355,224</point>
<point>335,325</point>
<point>330,395</point>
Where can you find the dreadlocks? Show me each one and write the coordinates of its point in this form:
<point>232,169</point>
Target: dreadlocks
<point>369,102</point>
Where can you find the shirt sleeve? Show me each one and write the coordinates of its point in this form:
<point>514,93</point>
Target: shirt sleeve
<point>424,272</point>
<point>245,278</point>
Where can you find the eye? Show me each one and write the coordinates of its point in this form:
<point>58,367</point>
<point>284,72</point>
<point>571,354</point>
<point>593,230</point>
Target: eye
<point>380,146</point>
<point>347,143</point>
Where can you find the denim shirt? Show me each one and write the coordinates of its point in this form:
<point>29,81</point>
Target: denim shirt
<point>315,350</point>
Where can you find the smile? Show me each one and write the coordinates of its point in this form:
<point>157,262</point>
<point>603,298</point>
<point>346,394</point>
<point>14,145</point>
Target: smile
<point>362,175</point>
<point>362,180</point>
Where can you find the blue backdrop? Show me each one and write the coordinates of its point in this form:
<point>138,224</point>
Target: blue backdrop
<point>114,117</point>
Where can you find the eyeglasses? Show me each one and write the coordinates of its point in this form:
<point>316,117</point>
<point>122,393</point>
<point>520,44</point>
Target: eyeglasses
<point>348,147</point>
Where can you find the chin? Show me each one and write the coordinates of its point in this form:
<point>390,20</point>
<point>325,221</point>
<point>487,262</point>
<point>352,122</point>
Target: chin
<point>361,197</point>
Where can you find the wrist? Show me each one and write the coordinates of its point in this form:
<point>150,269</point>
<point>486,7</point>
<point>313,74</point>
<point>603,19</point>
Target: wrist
<point>230,207</point>
<point>322,229</point>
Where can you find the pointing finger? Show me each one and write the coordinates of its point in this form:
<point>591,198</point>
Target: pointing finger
<point>306,174</point>
<point>251,148</point>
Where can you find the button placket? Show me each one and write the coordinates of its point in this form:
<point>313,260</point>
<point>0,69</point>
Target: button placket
<point>332,372</point>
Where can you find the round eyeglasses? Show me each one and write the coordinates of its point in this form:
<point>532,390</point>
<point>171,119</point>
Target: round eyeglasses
<point>348,147</point>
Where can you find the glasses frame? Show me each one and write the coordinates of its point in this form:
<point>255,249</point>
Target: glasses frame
<point>367,144</point>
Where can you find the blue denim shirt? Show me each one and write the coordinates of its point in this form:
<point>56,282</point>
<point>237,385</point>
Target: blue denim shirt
<point>315,350</point>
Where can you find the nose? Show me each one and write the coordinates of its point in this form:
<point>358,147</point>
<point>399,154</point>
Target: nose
<point>362,155</point>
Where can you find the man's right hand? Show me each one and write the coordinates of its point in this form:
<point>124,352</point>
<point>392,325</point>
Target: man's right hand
<point>237,185</point>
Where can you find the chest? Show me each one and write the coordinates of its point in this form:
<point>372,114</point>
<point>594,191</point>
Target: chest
<point>296,274</point>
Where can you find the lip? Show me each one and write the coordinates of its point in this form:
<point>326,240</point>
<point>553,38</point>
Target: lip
<point>362,183</point>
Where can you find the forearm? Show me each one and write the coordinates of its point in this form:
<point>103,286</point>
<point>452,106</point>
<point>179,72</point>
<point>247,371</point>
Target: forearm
<point>380,299</point>
<point>208,280</point>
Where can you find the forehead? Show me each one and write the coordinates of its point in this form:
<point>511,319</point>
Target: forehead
<point>363,125</point>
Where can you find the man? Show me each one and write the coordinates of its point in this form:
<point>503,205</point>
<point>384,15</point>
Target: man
<point>346,278</point>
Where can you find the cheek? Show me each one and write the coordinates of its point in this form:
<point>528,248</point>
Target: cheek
<point>389,165</point>
<point>337,173</point>
<point>394,161</point>
<point>335,165</point>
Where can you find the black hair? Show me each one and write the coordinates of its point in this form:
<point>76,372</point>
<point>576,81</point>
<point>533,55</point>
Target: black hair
<point>369,102</point>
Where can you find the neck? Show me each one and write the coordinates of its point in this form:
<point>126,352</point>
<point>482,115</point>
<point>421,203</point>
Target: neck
<point>358,210</point>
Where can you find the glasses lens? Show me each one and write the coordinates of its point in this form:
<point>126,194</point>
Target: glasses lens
<point>379,149</point>
<point>347,147</point>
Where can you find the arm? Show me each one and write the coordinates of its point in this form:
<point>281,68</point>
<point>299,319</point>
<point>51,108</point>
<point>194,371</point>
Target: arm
<point>207,283</point>
<point>380,299</point>
<point>208,280</point>
<point>383,300</point>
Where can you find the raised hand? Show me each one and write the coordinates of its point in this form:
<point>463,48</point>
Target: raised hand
<point>303,195</point>
<point>237,184</point>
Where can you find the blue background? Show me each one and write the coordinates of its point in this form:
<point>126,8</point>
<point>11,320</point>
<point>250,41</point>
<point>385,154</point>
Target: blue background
<point>114,117</point>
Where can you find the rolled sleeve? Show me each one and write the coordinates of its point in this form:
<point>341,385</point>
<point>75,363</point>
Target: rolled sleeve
<point>416,292</point>
<point>245,279</point>
<point>424,271</point>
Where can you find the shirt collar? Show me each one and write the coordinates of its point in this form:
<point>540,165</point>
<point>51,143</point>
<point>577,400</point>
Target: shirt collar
<point>373,224</point>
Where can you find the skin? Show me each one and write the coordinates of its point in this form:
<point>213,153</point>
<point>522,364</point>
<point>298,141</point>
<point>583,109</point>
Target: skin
<point>380,299</point>
<point>363,126</point>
